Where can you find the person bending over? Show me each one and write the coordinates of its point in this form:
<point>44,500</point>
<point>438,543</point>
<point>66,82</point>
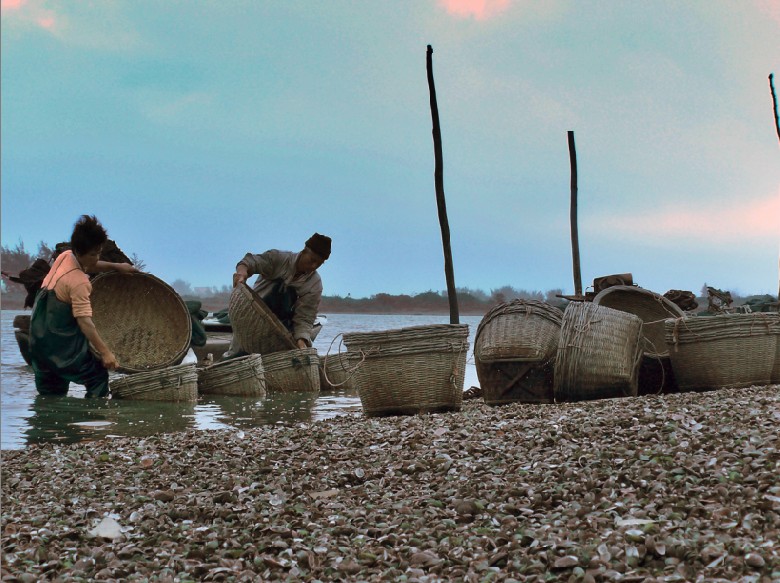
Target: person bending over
<point>289,284</point>
<point>61,326</point>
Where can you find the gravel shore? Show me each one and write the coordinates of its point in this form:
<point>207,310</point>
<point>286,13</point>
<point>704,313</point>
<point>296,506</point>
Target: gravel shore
<point>663,488</point>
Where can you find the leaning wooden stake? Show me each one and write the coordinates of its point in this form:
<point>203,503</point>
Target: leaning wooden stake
<point>439,184</point>
<point>774,104</point>
<point>575,240</point>
<point>777,126</point>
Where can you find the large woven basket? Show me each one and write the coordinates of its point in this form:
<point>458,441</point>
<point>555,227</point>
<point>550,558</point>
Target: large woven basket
<point>506,382</point>
<point>141,319</point>
<point>255,327</point>
<point>598,354</point>
<point>650,306</point>
<point>723,351</point>
<point>338,373</point>
<point>174,383</point>
<point>410,370</point>
<point>519,330</point>
<point>292,371</point>
<point>240,377</point>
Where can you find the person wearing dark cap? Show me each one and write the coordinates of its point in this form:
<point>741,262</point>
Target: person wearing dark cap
<point>289,284</point>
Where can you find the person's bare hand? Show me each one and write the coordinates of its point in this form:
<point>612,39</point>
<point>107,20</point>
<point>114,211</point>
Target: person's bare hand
<point>239,277</point>
<point>109,360</point>
<point>302,343</point>
<point>126,268</point>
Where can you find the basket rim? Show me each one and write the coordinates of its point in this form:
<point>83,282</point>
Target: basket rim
<point>261,309</point>
<point>670,306</point>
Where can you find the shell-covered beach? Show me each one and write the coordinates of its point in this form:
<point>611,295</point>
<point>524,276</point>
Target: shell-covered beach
<point>663,488</point>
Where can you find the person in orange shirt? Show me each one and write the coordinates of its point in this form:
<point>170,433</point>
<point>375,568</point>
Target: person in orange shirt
<point>61,326</point>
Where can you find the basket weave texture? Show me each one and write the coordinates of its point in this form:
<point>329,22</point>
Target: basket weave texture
<point>255,327</point>
<point>506,382</point>
<point>241,377</point>
<point>723,351</point>
<point>142,319</point>
<point>174,383</point>
<point>410,370</point>
<point>598,354</point>
<point>339,374</point>
<point>776,370</point>
<point>650,306</point>
<point>519,330</point>
<point>292,371</point>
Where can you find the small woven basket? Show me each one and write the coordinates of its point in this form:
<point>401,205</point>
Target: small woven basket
<point>142,319</point>
<point>255,327</point>
<point>411,370</point>
<point>723,351</point>
<point>338,373</point>
<point>599,353</point>
<point>292,371</point>
<point>650,306</point>
<point>519,330</point>
<point>240,377</point>
<point>174,383</point>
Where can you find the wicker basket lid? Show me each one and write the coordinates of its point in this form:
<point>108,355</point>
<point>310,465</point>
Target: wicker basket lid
<point>255,327</point>
<point>650,306</point>
<point>142,319</point>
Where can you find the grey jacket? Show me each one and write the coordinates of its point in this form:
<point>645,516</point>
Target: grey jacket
<point>275,264</point>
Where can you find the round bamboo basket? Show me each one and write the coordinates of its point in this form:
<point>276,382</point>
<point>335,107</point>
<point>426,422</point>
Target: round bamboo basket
<point>412,370</point>
<point>651,307</point>
<point>174,383</point>
<point>255,327</point>
<point>240,377</point>
<point>599,353</point>
<point>519,330</point>
<point>141,319</point>
<point>292,371</point>
<point>723,351</point>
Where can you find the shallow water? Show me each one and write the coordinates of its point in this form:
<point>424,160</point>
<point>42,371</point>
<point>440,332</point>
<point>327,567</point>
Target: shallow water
<point>28,418</point>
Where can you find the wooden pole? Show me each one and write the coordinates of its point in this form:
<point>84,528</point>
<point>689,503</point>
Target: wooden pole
<point>774,104</point>
<point>575,239</point>
<point>438,178</point>
<point>777,127</point>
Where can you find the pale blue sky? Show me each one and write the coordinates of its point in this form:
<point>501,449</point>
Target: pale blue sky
<point>198,131</point>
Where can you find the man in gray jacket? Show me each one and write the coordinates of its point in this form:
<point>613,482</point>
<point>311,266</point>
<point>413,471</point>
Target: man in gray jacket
<point>289,284</point>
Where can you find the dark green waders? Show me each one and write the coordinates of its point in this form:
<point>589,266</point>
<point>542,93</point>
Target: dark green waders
<point>60,352</point>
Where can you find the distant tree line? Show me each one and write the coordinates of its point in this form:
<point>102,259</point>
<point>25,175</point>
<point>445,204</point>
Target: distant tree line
<point>14,259</point>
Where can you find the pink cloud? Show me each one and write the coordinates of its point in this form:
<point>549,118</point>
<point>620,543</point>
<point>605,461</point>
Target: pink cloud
<point>12,4</point>
<point>29,12</point>
<point>478,9</point>
<point>759,219</point>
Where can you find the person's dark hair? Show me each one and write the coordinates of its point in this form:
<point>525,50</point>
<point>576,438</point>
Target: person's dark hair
<point>88,233</point>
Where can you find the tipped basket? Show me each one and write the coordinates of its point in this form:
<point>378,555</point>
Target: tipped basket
<point>598,354</point>
<point>255,327</point>
<point>410,370</point>
<point>723,351</point>
<point>514,352</point>
<point>520,330</point>
<point>240,377</point>
<point>651,307</point>
<point>175,383</point>
<point>292,371</point>
<point>142,319</point>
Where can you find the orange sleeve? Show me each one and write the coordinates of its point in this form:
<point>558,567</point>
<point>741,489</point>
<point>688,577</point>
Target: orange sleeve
<point>79,297</point>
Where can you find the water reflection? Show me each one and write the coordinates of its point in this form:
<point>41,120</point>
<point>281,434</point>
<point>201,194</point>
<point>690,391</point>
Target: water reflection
<point>70,419</point>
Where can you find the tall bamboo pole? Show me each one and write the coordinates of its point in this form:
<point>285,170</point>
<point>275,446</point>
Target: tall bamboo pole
<point>438,178</point>
<point>575,239</point>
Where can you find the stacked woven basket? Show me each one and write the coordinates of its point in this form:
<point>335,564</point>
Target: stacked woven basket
<point>514,352</point>
<point>147,326</point>
<point>411,370</point>
<point>240,377</point>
